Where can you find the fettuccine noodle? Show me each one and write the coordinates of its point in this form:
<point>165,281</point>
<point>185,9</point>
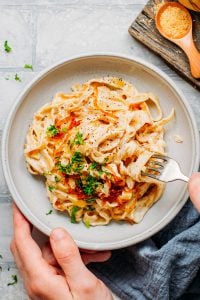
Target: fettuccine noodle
<point>92,144</point>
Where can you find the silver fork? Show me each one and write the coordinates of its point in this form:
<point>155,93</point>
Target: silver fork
<point>166,168</point>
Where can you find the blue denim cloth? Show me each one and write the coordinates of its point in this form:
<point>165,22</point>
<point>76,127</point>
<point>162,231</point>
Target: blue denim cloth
<point>163,267</point>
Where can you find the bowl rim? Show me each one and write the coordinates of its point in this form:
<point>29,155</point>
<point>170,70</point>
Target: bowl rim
<point>8,176</point>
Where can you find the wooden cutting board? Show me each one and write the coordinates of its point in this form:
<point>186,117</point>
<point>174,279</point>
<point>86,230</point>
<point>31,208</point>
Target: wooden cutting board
<point>144,29</point>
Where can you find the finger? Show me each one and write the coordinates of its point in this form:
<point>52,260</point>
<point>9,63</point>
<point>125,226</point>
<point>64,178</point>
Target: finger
<point>48,255</point>
<point>39,277</point>
<point>29,252</point>
<point>194,190</point>
<point>95,257</point>
<point>68,257</point>
<point>50,288</point>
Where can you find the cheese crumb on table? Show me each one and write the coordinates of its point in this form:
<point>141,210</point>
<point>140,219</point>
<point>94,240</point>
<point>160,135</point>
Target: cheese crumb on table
<point>178,138</point>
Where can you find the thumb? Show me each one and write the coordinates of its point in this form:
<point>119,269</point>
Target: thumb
<point>194,190</point>
<point>67,255</point>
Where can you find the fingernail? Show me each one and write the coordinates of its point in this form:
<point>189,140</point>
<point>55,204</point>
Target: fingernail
<point>58,234</point>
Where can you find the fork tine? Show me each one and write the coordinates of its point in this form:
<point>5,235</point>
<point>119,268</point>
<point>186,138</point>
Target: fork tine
<point>160,156</point>
<point>168,170</point>
<point>149,175</point>
<point>153,169</point>
<point>157,163</point>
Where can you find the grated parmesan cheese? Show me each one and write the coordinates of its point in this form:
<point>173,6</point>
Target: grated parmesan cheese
<point>174,22</point>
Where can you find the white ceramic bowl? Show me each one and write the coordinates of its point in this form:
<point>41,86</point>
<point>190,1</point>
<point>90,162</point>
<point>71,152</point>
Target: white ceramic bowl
<point>29,191</point>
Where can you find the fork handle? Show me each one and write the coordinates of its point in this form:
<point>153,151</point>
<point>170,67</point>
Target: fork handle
<point>184,178</point>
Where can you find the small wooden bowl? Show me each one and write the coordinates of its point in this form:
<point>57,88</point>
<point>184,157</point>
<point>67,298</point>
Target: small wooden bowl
<point>184,41</point>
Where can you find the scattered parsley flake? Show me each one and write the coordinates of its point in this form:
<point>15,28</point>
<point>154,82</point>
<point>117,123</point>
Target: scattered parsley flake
<point>105,159</point>
<point>64,129</point>
<point>88,184</point>
<point>64,169</point>
<point>51,187</point>
<point>15,280</point>
<point>79,139</point>
<point>7,48</point>
<point>101,172</point>
<point>76,164</point>
<point>1,256</point>
<point>8,268</point>
<point>77,157</point>
<point>93,165</point>
<point>52,131</point>
<point>0,268</point>
<point>28,66</point>
<point>87,223</point>
<point>49,212</point>
<point>90,200</point>
<point>17,78</point>
<point>78,168</point>
<point>73,214</point>
<point>56,178</point>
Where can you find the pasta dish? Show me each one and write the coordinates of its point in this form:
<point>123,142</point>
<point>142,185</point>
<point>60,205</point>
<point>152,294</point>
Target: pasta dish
<point>92,145</point>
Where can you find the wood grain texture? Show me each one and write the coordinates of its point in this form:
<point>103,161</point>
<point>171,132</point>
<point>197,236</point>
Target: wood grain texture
<point>144,30</point>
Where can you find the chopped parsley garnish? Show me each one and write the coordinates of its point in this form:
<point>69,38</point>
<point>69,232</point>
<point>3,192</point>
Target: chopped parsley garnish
<point>64,169</point>
<point>1,256</point>
<point>56,178</point>
<point>77,157</point>
<point>78,167</point>
<point>88,184</point>
<point>91,200</point>
<point>7,48</point>
<point>73,214</point>
<point>51,187</point>
<point>17,78</point>
<point>79,139</point>
<point>15,280</point>
<point>52,131</point>
<point>49,212</point>
<point>87,223</point>
<point>96,166</point>
<point>0,268</point>
<point>28,66</point>
<point>93,165</point>
<point>76,164</point>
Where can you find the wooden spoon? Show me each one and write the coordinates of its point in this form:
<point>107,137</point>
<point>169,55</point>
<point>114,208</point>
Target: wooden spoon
<point>185,41</point>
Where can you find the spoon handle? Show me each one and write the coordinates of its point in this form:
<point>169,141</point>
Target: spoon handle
<point>194,58</point>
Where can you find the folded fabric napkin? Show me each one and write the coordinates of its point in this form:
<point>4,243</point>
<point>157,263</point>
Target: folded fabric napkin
<point>163,267</point>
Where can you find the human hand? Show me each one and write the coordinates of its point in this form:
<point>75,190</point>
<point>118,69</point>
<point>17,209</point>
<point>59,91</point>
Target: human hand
<point>194,190</point>
<point>60,274</point>
<point>87,256</point>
